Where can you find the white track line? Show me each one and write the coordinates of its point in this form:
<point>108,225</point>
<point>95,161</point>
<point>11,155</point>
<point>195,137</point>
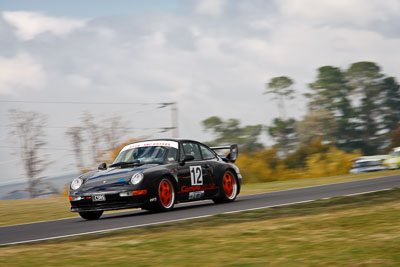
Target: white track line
<point>105,214</point>
<point>68,218</point>
<point>177,220</point>
<point>271,206</point>
<point>106,230</point>
<point>305,201</point>
<point>355,194</point>
<point>149,224</point>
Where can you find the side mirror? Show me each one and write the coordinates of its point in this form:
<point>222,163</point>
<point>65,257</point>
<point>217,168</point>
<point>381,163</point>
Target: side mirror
<point>187,158</point>
<point>102,166</point>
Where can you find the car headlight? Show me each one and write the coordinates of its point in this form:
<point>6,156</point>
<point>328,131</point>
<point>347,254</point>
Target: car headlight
<point>137,178</point>
<point>76,183</point>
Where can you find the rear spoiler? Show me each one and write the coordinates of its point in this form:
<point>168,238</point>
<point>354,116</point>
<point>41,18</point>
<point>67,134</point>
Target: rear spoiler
<point>232,155</point>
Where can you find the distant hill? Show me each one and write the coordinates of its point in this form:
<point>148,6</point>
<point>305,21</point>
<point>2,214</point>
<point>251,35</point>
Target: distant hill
<point>58,182</point>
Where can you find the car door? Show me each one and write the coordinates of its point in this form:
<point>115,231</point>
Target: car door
<point>194,176</point>
<point>210,163</point>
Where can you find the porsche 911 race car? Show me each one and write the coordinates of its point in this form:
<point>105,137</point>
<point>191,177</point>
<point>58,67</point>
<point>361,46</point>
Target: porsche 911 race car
<point>156,174</point>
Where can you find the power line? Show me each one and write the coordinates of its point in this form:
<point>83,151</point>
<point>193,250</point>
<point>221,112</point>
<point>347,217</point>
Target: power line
<point>44,148</point>
<point>38,156</point>
<point>123,128</point>
<point>161,104</point>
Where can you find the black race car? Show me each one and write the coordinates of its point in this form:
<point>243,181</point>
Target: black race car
<point>156,174</point>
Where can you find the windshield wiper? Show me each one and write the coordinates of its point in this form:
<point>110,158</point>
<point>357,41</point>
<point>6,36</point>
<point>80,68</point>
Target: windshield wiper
<point>125,164</point>
<point>155,162</point>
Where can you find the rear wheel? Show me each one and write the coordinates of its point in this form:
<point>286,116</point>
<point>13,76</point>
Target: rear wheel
<point>229,188</point>
<point>91,215</point>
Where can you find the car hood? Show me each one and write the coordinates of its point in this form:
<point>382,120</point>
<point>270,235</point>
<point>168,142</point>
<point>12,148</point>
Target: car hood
<point>111,178</point>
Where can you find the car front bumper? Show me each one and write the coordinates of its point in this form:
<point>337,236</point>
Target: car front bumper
<point>113,201</point>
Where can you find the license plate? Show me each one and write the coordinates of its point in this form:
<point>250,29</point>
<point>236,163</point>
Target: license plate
<point>99,198</point>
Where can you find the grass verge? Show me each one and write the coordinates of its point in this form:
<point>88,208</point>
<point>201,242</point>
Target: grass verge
<point>34,210</point>
<point>349,231</point>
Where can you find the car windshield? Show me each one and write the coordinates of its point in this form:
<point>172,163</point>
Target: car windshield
<point>159,152</point>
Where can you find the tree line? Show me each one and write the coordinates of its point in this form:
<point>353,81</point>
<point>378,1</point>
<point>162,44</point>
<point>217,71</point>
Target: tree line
<point>350,112</point>
<point>357,108</point>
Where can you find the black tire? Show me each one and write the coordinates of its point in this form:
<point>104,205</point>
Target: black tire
<point>229,188</point>
<point>91,215</point>
<point>165,197</point>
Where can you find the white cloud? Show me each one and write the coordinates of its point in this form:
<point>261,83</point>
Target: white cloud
<point>261,24</point>
<point>31,24</point>
<point>19,73</point>
<point>78,81</point>
<point>355,12</point>
<point>210,7</point>
<point>169,56</point>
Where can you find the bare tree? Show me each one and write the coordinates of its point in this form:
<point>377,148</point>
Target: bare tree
<point>99,137</point>
<point>93,132</point>
<point>29,132</point>
<point>112,131</point>
<point>75,135</point>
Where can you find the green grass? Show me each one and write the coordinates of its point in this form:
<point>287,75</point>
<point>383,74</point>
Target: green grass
<point>360,230</point>
<point>33,210</point>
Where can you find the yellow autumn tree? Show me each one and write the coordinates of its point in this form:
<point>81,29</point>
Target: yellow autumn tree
<point>317,160</point>
<point>334,162</point>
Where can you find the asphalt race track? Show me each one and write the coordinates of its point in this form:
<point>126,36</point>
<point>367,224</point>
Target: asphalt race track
<point>33,232</point>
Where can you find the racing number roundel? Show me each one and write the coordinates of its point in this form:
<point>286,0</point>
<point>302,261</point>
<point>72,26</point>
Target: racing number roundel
<point>196,175</point>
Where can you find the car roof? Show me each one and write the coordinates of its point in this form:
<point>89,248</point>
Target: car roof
<point>367,160</point>
<point>166,139</point>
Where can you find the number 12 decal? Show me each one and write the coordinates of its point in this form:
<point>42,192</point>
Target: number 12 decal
<point>196,175</point>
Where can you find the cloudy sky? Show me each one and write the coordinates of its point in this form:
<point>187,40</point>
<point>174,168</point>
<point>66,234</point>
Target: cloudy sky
<point>213,57</point>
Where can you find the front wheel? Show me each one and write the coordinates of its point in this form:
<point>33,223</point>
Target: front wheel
<point>165,197</point>
<point>91,215</point>
<point>229,188</point>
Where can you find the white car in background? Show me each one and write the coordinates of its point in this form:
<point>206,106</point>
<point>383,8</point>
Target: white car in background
<point>368,164</point>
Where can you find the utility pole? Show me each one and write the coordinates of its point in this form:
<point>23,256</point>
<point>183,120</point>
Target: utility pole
<point>174,117</point>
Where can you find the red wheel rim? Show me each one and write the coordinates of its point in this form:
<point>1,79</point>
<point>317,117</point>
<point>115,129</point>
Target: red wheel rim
<point>229,185</point>
<point>166,194</point>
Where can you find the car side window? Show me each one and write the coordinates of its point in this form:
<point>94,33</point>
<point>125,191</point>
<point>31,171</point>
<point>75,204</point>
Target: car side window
<point>190,148</point>
<point>207,153</point>
<point>172,154</point>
